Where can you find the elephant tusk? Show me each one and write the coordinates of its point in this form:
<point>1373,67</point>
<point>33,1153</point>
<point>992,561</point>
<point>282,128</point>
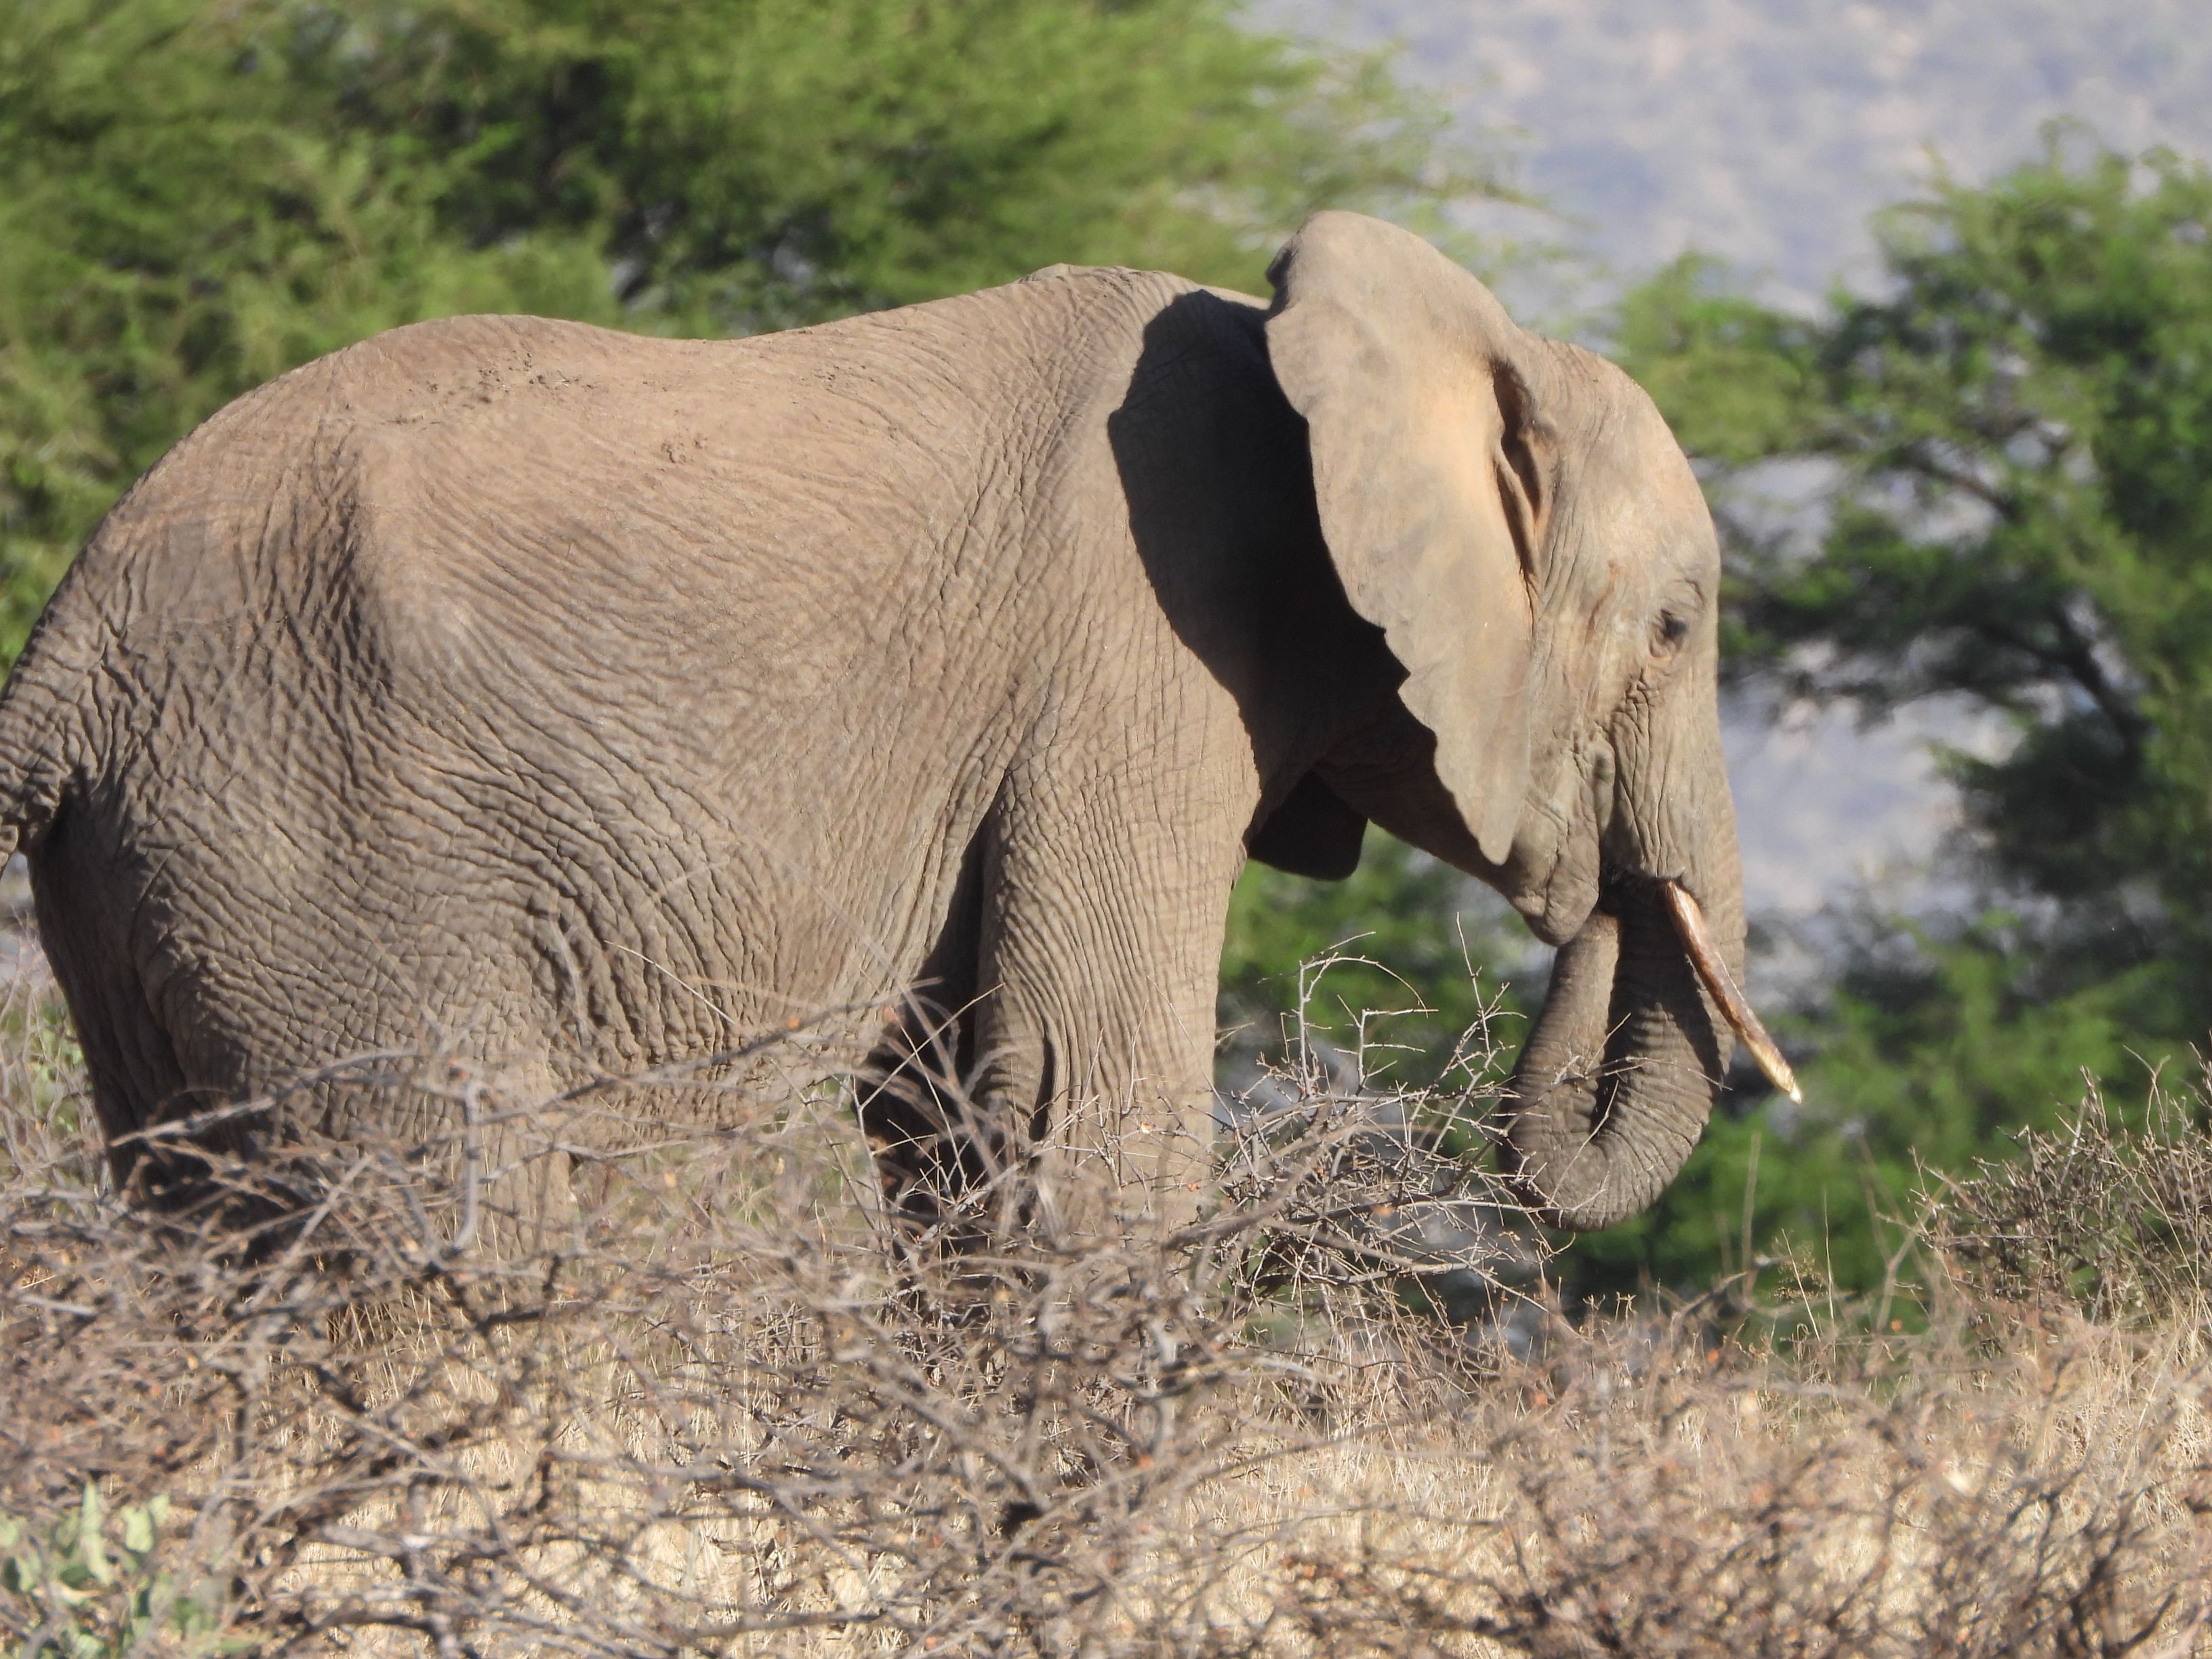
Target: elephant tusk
<point>1698,944</point>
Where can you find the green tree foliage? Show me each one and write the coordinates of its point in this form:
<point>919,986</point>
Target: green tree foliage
<point>2012,445</point>
<point>200,195</point>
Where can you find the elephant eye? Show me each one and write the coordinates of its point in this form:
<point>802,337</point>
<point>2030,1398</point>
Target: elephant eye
<point>1674,629</point>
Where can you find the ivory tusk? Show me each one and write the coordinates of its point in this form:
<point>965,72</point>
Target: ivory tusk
<point>1706,957</point>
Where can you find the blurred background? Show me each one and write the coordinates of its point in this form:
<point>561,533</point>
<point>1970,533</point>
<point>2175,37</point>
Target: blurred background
<point>1926,289</point>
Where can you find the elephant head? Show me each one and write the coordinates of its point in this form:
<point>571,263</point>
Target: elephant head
<point>1514,515</point>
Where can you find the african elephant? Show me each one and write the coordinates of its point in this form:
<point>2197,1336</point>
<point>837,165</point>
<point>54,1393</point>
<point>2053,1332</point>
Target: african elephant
<point>580,699</point>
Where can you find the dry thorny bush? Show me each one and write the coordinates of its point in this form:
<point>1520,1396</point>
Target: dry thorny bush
<point>2112,1216</point>
<point>724,1407</point>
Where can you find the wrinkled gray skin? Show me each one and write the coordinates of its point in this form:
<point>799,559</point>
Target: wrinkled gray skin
<point>575,700</point>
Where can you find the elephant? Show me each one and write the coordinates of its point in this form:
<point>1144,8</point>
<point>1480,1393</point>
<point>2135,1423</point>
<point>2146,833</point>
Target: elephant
<point>580,699</point>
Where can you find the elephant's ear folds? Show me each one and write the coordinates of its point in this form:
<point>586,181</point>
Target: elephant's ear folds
<point>1401,362</point>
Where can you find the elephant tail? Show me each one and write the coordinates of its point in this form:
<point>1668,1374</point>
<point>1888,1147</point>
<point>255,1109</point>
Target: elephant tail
<point>41,734</point>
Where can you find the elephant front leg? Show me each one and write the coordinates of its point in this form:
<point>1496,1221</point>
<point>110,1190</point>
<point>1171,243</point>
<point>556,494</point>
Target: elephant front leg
<point>1098,948</point>
<point>1052,1068</point>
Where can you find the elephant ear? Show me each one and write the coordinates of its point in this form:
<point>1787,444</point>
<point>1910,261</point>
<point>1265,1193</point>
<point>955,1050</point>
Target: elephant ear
<point>1426,471</point>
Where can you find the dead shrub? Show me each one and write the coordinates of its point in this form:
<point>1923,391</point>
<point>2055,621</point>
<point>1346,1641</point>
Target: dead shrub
<point>721,1404</point>
<point>1658,1498</point>
<point>724,1407</point>
<point>2102,1214</point>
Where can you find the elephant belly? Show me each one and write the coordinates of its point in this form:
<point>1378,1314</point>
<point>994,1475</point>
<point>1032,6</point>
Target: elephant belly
<point>488,921</point>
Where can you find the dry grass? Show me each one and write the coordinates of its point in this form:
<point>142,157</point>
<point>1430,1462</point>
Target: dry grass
<point>721,1409</point>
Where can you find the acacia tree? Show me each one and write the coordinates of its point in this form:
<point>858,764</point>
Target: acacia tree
<point>2015,434</point>
<point>201,195</point>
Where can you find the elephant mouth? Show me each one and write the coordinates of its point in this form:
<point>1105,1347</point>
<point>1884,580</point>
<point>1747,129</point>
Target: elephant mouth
<point>1712,973</point>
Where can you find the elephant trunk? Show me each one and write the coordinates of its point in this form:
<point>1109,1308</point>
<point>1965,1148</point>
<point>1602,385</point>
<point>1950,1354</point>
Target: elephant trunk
<point>1617,1079</point>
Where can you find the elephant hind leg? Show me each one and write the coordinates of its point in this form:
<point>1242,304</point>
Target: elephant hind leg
<point>138,1084</point>
<point>139,1079</point>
